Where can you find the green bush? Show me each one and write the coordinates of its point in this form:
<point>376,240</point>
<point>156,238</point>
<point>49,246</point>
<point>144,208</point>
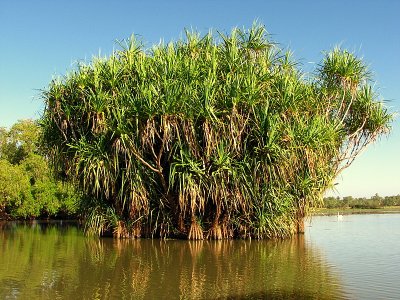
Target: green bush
<point>27,188</point>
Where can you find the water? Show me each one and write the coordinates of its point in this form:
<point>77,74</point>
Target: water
<point>356,258</point>
<point>364,250</point>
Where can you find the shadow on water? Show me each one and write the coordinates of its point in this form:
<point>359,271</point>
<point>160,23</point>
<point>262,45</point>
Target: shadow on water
<point>57,261</point>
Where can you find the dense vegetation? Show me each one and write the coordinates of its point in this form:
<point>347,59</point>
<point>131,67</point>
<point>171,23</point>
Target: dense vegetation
<point>360,203</point>
<point>208,137</point>
<point>27,188</point>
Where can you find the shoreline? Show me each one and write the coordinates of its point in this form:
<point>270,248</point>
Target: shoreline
<point>355,211</point>
<point>317,212</point>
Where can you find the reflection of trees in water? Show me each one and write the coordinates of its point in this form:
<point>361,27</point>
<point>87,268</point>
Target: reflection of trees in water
<point>214,269</point>
<point>37,260</point>
<point>65,264</point>
<point>113,267</point>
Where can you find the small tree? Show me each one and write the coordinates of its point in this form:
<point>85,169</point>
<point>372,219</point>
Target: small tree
<point>19,141</point>
<point>208,137</point>
<point>14,186</point>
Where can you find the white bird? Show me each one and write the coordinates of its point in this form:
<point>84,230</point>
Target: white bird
<point>339,217</point>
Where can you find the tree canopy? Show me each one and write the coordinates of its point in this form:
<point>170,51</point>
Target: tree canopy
<point>27,187</point>
<point>212,136</point>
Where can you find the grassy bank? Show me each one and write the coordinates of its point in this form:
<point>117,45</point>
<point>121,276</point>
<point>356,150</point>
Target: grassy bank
<point>349,211</point>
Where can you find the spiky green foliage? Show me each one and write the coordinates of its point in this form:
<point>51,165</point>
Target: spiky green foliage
<point>209,136</point>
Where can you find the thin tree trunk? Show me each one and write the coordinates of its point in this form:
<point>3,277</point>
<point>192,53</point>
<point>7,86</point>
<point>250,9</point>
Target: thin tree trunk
<point>300,224</point>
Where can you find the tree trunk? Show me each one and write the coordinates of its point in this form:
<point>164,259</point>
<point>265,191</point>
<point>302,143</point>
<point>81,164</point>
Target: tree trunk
<point>300,224</point>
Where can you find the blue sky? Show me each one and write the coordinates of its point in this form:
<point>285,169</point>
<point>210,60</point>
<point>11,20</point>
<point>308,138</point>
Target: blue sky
<point>40,39</point>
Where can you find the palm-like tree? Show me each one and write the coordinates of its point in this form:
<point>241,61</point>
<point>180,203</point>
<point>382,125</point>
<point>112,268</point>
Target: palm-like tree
<point>208,137</point>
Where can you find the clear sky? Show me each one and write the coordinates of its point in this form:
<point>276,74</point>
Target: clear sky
<point>40,39</point>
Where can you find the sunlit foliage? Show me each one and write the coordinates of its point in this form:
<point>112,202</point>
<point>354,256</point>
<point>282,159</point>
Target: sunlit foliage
<point>27,187</point>
<point>213,136</point>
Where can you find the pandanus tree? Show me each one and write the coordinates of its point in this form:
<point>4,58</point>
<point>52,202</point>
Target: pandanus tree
<point>208,137</point>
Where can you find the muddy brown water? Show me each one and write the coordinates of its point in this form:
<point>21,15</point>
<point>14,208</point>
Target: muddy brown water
<point>357,257</point>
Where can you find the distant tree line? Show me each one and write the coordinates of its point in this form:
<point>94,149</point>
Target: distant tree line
<point>374,202</point>
<point>27,188</point>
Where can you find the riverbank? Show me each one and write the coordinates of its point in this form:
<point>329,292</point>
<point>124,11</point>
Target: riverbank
<point>350,211</point>
<point>4,216</point>
<point>317,212</point>
<point>61,217</point>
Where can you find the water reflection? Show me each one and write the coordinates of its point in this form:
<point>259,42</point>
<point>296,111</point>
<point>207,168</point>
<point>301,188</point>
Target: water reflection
<point>53,261</point>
